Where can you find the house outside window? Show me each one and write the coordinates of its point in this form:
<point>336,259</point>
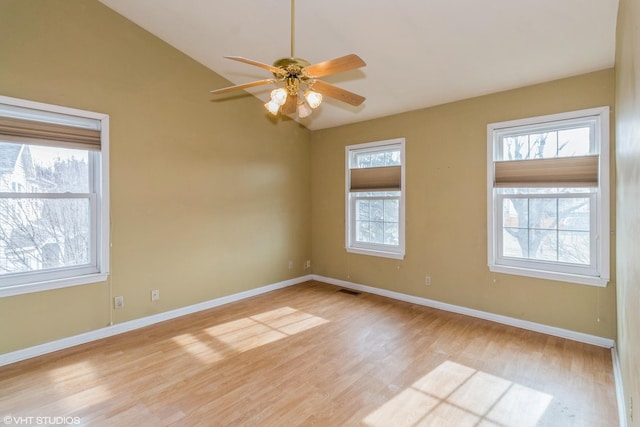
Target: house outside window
<point>548,197</point>
<point>54,214</point>
<point>375,189</point>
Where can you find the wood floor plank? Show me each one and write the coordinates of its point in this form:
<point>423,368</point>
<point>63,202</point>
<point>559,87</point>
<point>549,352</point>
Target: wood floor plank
<point>310,355</point>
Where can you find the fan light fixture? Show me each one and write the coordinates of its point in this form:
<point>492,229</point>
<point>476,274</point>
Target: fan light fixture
<point>304,109</point>
<point>300,89</point>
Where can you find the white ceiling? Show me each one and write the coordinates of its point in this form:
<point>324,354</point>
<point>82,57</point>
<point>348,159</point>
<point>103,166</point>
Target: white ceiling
<point>419,53</point>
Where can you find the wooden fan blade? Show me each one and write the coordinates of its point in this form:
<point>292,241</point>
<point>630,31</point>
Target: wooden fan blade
<point>242,86</point>
<point>271,68</point>
<point>332,66</point>
<point>290,105</point>
<point>337,93</point>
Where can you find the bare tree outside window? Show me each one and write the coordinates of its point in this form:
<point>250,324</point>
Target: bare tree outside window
<point>547,228</point>
<point>37,231</point>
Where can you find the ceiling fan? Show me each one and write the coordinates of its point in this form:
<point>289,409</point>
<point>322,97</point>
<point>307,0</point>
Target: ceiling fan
<point>297,76</point>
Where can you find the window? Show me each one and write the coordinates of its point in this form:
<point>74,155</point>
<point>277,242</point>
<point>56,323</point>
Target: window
<point>375,198</point>
<point>54,214</point>
<point>548,197</point>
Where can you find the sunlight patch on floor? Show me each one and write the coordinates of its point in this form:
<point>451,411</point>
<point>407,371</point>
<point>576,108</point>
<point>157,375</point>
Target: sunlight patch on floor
<point>73,403</point>
<point>465,396</point>
<point>248,333</point>
<point>75,370</point>
<point>198,349</point>
<point>77,394</point>
<point>264,328</point>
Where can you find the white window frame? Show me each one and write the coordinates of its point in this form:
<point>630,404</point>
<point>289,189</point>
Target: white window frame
<point>98,270</point>
<point>372,249</point>
<point>596,274</point>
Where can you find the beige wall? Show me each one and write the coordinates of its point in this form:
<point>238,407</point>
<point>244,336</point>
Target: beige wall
<point>446,167</point>
<point>208,198</point>
<point>628,220</point>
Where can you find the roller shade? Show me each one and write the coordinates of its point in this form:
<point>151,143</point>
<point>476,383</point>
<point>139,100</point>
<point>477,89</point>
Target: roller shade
<point>23,131</point>
<point>387,178</point>
<point>556,172</point>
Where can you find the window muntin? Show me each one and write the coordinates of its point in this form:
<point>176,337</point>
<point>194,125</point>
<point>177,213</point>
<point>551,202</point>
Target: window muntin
<point>550,230</point>
<point>375,219</point>
<point>53,200</point>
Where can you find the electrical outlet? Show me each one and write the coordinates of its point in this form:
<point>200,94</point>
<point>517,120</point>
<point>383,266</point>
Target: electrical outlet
<point>155,295</point>
<point>307,264</point>
<point>427,280</point>
<point>290,264</point>
<point>118,302</point>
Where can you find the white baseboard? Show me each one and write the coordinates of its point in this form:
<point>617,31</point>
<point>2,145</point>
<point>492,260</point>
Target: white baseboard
<point>518,323</point>
<point>617,377</point>
<point>38,350</point>
<point>120,328</point>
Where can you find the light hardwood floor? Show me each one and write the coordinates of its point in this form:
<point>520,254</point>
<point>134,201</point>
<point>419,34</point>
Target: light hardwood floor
<point>311,355</point>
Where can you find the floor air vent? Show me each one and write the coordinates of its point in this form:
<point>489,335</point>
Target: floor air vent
<point>349,291</point>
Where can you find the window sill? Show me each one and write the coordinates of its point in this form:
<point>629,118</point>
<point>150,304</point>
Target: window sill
<point>27,288</point>
<point>371,252</point>
<point>551,275</point>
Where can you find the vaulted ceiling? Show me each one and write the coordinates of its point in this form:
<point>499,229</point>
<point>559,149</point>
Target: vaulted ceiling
<point>419,53</point>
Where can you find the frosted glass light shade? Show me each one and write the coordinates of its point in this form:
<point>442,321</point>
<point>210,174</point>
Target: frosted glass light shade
<point>279,96</point>
<point>303,110</point>
<point>272,107</point>
<point>313,98</point>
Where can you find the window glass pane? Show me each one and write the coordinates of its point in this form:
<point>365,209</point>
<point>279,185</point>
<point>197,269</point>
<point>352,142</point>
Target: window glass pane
<point>38,234</point>
<point>543,145</point>
<point>574,142</point>
<point>574,214</point>
<point>377,210</point>
<point>574,247</point>
<point>515,242</point>
<point>525,190</point>
<point>543,245</point>
<point>39,169</point>
<point>543,213</point>
<point>391,233</point>
<point>362,161</point>
<point>515,213</point>
<point>377,232</point>
<point>393,158</point>
<point>515,147</point>
<point>362,210</point>
<point>376,159</point>
<point>391,210</point>
<point>362,231</point>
